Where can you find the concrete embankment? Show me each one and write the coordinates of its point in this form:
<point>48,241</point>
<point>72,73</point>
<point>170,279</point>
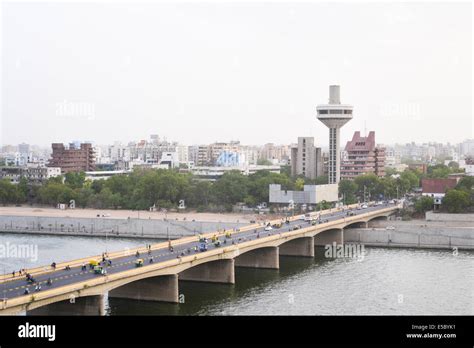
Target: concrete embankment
<point>111,227</point>
<point>414,234</point>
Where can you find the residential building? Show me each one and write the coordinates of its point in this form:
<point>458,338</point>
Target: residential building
<point>363,156</point>
<point>31,174</point>
<point>73,159</point>
<point>306,159</point>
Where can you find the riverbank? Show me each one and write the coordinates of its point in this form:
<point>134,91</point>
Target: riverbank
<point>124,214</point>
<point>116,223</point>
<point>414,234</point>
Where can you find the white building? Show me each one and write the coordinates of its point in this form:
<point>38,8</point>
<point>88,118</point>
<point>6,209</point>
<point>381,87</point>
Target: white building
<point>214,173</point>
<point>311,194</point>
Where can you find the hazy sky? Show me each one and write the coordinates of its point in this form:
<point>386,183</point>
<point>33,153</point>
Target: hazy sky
<point>199,73</point>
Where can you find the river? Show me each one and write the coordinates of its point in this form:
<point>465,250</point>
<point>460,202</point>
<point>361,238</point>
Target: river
<point>385,282</point>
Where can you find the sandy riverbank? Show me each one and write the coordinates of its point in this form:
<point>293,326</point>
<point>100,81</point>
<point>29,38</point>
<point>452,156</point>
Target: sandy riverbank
<point>125,214</point>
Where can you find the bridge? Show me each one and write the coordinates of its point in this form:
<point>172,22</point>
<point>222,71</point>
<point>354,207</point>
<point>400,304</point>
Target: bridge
<point>75,291</point>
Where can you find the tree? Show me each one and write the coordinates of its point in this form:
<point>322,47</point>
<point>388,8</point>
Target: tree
<point>200,193</point>
<point>386,187</point>
<point>323,205</point>
<point>84,197</point>
<point>453,165</point>
<point>466,184</point>
<point>438,171</point>
<point>390,171</point>
<point>456,201</point>
<point>97,185</point>
<point>264,162</point>
<point>230,188</point>
<point>369,181</point>
<point>54,193</point>
<point>285,170</point>
<point>347,189</point>
<point>412,177</point>
<point>259,183</point>
<point>8,192</point>
<point>75,180</point>
<point>423,204</point>
<point>23,189</point>
<point>299,184</point>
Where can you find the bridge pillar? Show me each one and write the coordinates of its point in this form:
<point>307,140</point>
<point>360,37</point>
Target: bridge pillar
<point>329,237</point>
<point>220,271</point>
<point>161,288</point>
<point>298,247</point>
<point>87,305</point>
<point>266,257</point>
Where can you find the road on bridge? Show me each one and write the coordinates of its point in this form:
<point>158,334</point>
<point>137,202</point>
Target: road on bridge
<point>12,288</point>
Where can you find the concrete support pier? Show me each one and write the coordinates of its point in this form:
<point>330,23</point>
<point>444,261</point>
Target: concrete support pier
<point>162,288</point>
<point>88,305</point>
<point>298,247</point>
<point>329,237</point>
<point>221,271</point>
<point>260,258</point>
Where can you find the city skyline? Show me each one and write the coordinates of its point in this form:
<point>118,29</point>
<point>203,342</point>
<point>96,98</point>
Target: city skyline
<point>199,90</point>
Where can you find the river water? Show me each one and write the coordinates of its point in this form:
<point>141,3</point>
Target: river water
<point>385,282</point>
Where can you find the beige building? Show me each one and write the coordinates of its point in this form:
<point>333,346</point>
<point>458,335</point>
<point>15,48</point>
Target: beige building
<point>306,159</point>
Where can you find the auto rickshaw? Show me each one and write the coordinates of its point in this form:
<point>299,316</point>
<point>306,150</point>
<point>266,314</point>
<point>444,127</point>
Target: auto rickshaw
<point>139,263</point>
<point>217,243</point>
<point>214,238</point>
<point>202,239</point>
<point>99,270</point>
<point>277,225</point>
<point>93,263</point>
<point>228,234</point>
<point>314,222</point>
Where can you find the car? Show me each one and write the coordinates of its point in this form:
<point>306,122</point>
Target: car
<point>203,247</point>
<point>390,227</point>
<point>364,206</point>
<point>308,217</point>
<point>392,201</point>
<point>302,217</point>
<point>268,228</point>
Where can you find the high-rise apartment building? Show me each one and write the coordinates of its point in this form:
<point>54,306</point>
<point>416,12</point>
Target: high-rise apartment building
<point>363,156</point>
<point>72,159</point>
<point>306,159</point>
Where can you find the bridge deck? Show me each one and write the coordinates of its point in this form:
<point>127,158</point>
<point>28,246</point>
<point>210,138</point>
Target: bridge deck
<point>14,288</point>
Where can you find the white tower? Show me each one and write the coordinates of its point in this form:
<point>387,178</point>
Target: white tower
<point>334,115</point>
